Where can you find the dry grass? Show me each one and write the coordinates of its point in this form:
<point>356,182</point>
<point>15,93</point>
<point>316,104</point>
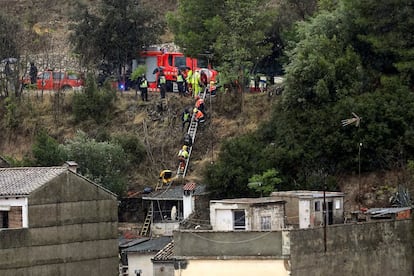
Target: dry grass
<point>160,132</point>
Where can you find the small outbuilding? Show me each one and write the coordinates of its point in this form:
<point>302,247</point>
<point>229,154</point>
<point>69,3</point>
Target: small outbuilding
<point>247,214</point>
<point>305,209</point>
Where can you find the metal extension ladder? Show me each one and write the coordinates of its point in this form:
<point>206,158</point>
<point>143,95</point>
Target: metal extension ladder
<point>147,223</point>
<point>192,131</point>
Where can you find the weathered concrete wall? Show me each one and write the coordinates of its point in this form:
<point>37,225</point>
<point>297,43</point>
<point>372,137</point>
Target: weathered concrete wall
<point>164,228</point>
<point>375,248</point>
<point>225,244</point>
<point>72,231</point>
<point>275,212</point>
<point>291,209</point>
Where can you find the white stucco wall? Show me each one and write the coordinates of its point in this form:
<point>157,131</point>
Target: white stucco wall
<point>140,261</point>
<point>234,267</point>
<point>17,202</point>
<point>221,216</point>
<point>304,213</point>
<point>188,205</point>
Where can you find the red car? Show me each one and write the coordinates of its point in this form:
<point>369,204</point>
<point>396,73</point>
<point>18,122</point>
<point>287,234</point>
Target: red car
<point>55,80</point>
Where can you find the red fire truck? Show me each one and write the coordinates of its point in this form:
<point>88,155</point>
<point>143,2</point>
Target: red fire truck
<point>170,63</point>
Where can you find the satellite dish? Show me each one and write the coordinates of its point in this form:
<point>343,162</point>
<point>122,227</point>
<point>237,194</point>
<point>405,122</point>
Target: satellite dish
<point>173,213</point>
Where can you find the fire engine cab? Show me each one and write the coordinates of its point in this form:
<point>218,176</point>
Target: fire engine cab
<point>156,59</point>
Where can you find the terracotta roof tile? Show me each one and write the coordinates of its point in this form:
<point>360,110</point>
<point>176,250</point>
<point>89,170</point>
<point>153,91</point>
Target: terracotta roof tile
<point>189,186</point>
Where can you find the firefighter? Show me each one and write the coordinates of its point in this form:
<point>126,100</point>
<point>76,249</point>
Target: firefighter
<point>143,87</point>
<point>186,117</point>
<point>212,88</point>
<point>180,83</point>
<point>196,83</point>
<point>182,158</point>
<point>189,82</point>
<point>199,104</point>
<point>188,141</point>
<point>162,84</point>
<point>198,116</point>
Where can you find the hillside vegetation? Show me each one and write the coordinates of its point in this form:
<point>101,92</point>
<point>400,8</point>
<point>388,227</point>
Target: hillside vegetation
<point>159,131</point>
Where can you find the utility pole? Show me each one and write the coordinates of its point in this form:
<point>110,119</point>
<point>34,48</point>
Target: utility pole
<point>357,121</point>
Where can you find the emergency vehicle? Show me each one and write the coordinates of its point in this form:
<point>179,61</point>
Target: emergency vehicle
<point>156,59</point>
<point>57,80</point>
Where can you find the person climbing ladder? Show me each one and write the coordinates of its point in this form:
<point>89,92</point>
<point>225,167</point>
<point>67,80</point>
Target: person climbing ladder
<point>182,158</point>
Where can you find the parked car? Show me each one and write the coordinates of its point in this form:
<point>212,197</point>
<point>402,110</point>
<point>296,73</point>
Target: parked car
<point>58,80</point>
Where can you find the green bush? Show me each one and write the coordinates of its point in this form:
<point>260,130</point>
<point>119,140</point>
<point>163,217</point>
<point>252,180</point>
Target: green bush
<point>95,103</point>
<point>105,163</point>
<point>132,147</point>
<point>47,151</point>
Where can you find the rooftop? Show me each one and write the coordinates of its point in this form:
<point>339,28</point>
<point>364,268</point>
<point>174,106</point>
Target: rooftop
<point>379,212</point>
<point>152,245</point>
<point>166,253</point>
<point>173,193</point>
<point>22,181</point>
<point>307,194</point>
<point>256,200</point>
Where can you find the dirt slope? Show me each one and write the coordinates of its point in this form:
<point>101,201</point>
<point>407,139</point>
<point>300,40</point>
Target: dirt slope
<point>160,131</point>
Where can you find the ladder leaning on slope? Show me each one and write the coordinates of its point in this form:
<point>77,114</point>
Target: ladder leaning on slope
<point>192,130</point>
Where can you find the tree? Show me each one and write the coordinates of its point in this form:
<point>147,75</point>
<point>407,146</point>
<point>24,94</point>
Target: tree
<point>385,31</point>
<point>132,146</point>
<point>189,26</point>
<point>94,103</point>
<point>340,62</point>
<point>115,35</point>
<point>47,151</point>
<point>9,44</point>
<point>104,163</point>
<point>238,160</point>
<point>233,32</point>
<point>265,183</point>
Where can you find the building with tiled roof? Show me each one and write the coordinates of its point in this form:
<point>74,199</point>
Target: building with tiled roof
<point>173,204</point>
<point>56,222</point>
<point>139,256</point>
<point>163,261</point>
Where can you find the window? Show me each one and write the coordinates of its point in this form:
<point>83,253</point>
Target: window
<point>58,75</point>
<point>4,219</point>
<point>317,206</point>
<point>265,223</point>
<point>180,62</point>
<point>239,220</point>
<point>337,204</point>
<point>44,76</point>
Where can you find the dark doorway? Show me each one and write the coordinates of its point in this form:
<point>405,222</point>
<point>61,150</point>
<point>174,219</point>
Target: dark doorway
<point>330,212</point>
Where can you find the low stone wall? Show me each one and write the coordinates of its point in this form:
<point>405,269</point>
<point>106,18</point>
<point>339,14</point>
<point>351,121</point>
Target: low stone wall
<point>374,248</point>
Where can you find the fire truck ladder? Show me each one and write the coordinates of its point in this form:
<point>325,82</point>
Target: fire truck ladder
<point>192,131</point>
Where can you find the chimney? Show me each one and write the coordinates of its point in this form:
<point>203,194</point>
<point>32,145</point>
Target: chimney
<point>71,165</point>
